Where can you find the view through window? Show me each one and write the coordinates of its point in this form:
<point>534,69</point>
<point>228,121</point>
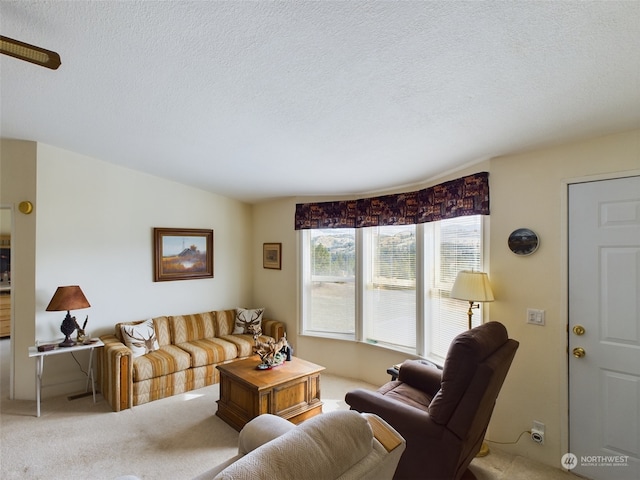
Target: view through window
<point>386,265</point>
<point>330,281</point>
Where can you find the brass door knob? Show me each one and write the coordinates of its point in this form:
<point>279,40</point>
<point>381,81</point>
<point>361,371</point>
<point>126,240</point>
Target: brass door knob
<point>579,330</point>
<point>25,207</point>
<point>579,352</point>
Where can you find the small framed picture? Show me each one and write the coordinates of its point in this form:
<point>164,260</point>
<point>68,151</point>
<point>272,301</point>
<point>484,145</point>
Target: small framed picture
<point>272,255</point>
<point>182,254</point>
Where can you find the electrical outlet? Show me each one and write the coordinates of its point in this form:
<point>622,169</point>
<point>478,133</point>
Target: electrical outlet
<point>535,316</point>
<point>537,432</point>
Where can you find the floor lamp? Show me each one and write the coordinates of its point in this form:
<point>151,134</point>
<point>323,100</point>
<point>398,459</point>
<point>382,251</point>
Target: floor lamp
<point>473,287</point>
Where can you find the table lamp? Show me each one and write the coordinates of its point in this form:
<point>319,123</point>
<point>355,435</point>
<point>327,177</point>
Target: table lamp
<point>473,287</point>
<point>67,298</point>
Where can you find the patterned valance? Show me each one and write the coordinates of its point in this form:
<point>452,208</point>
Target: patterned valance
<point>456,198</point>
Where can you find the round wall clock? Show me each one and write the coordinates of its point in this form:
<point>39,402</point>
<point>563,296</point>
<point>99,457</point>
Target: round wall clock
<point>523,241</point>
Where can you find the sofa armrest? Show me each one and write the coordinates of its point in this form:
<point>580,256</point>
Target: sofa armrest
<point>384,433</point>
<point>116,373</point>
<point>273,328</point>
<point>254,434</point>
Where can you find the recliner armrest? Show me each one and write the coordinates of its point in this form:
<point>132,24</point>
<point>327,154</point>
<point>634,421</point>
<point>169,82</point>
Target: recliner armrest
<point>423,377</point>
<point>405,419</point>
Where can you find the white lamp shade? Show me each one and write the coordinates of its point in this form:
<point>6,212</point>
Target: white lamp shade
<point>472,286</point>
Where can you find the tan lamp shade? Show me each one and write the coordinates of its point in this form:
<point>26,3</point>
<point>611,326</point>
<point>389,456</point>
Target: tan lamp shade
<point>67,298</point>
<point>472,286</point>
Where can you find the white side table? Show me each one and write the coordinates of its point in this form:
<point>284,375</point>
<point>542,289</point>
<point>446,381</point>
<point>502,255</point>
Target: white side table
<point>33,352</point>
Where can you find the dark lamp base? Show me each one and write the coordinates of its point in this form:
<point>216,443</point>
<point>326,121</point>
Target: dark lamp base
<point>67,342</point>
<point>67,328</point>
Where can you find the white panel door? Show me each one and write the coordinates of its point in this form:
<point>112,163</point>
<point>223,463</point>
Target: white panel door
<point>604,329</point>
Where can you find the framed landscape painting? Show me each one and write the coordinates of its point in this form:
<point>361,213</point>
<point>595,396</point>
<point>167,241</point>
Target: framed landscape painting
<point>272,255</point>
<point>182,254</point>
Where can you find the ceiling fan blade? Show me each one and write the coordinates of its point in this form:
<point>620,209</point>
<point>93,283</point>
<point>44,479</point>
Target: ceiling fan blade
<point>29,53</point>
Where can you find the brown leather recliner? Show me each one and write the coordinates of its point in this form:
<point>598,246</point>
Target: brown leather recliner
<point>443,415</point>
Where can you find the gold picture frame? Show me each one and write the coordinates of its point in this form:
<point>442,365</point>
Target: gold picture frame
<point>182,254</point>
<point>272,256</point>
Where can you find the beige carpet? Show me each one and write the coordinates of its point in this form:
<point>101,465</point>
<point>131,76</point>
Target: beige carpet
<point>178,437</point>
<point>174,438</point>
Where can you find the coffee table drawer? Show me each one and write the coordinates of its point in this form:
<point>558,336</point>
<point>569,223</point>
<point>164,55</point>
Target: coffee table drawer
<point>290,399</point>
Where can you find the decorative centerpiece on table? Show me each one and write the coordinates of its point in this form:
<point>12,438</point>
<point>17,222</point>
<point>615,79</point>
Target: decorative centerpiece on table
<point>81,332</point>
<point>271,353</point>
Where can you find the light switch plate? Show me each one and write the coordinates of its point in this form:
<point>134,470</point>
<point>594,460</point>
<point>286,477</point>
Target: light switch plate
<point>535,316</point>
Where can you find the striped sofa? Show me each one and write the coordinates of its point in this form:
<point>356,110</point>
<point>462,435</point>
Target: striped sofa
<point>190,348</point>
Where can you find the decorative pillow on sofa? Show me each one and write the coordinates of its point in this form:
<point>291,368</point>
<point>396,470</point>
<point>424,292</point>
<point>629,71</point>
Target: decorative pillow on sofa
<point>140,338</point>
<point>248,321</point>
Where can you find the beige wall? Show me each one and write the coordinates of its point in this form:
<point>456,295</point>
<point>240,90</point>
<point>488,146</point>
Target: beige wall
<point>273,223</point>
<point>94,229</point>
<point>530,190</point>
<point>17,184</point>
<point>526,191</point>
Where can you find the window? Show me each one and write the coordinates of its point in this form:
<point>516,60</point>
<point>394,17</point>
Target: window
<point>390,285</point>
<point>453,245</point>
<point>329,281</point>
<point>389,300</point>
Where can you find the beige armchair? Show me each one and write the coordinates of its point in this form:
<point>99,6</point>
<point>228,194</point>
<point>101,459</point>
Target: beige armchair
<point>341,445</point>
<point>443,415</point>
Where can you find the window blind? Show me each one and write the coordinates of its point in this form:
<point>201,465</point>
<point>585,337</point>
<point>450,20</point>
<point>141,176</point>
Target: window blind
<point>458,246</point>
<point>390,286</point>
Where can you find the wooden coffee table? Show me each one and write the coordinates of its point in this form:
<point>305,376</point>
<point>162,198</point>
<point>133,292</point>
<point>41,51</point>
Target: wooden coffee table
<point>291,391</point>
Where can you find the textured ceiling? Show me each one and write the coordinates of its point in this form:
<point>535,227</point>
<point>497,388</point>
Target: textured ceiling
<point>255,100</point>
